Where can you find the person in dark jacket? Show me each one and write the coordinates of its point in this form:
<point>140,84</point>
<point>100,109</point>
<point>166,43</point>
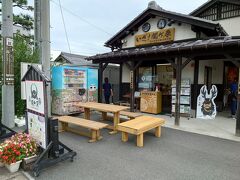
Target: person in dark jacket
<point>107,88</point>
<point>234,91</point>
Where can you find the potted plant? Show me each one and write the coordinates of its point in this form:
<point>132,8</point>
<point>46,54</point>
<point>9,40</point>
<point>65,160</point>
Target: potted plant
<point>29,147</point>
<point>12,156</point>
<point>1,150</point>
<point>19,146</point>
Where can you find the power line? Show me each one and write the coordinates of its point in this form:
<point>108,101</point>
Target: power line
<point>82,19</point>
<point>64,26</point>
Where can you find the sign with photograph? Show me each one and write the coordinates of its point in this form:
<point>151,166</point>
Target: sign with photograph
<point>34,96</point>
<point>37,128</point>
<point>206,107</point>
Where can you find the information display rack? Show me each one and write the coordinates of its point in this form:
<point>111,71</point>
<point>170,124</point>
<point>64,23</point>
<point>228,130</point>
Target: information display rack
<point>185,98</point>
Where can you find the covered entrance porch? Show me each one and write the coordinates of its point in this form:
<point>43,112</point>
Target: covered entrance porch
<point>178,54</point>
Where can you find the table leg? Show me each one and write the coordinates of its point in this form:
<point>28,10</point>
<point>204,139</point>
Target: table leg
<point>86,113</point>
<point>124,136</point>
<point>93,136</point>
<point>140,140</point>
<point>115,122</point>
<point>104,116</point>
<point>158,131</point>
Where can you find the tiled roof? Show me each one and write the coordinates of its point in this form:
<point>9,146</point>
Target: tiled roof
<point>211,26</point>
<point>74,59</point>
<point>177,47</point>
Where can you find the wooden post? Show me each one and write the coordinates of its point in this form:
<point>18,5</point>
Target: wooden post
<point>178,89</point>
<point>100,82</point>
<point>132,88</point>
<point>120,82</point>
<point>195,85</point>
<point>238,111</point>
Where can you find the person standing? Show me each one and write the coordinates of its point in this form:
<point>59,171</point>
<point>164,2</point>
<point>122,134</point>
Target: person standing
<point>107,88</point>
<point>234,91</point>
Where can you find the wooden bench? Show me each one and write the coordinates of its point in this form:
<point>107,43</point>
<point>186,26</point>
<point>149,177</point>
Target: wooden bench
<point>94,126</point>
<point>130,115</point>
<point>140,125</point>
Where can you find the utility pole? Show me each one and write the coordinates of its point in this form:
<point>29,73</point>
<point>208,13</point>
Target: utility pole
<point>8,110</point>
<point>42,40</point>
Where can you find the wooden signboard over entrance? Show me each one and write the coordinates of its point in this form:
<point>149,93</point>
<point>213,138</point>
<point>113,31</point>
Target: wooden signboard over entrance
<point>156,37</point>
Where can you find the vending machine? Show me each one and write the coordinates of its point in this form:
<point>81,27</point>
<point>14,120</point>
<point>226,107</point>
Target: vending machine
<point>71,85</point>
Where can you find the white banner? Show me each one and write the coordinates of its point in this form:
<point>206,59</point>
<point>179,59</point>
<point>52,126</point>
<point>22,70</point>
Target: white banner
<point>37,129</point>
<point>34,96</point>
<point>206,107</point>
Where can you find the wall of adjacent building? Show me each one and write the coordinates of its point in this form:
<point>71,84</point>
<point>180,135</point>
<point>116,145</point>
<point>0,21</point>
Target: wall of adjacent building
<point>231,26</point>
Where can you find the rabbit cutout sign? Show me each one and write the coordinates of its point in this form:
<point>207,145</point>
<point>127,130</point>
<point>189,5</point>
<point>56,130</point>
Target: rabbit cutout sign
<point>206,107</point>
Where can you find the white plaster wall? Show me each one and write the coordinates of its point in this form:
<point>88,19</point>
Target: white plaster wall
<point>112,72</point>
<point>231,26</point>
<point>217,71</point>
<point>125,74</point>
<point>188,72</point>
<point>181,32</point>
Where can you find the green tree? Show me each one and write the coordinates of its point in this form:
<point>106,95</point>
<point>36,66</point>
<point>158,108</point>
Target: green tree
<point>23,19</point>
<point>23,52</point>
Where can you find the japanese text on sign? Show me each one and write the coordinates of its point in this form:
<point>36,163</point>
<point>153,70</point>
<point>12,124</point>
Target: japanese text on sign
<point>164,35</point>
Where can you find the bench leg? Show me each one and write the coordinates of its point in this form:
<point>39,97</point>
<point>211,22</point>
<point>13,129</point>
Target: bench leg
<point>93,136</point>
<point>86,113</point>
<point>99,137</point>
<point>158,131</point>
<point>64,126</point>
<point>104,116</point>
<point>60,127</point>
<point>140,140</point>
<point>124,136</point>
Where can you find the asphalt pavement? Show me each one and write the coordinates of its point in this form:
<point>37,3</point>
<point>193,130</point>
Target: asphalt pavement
<point>177,155</point>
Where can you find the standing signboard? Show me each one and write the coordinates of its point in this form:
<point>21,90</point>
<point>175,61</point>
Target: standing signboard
<point>206,107</point>
<point>35,111</point>
<point>36,100</point>
<point>42,128</point>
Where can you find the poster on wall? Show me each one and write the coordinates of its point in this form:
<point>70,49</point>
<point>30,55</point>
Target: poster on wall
<point>37,128</point>
<point>206,107</point>
<point>34,96</point>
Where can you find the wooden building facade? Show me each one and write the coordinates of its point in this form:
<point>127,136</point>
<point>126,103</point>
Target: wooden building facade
<point>196,47</point>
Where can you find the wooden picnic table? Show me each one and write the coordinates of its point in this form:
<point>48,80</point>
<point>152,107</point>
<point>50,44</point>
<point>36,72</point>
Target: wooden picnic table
<point>104,108</point>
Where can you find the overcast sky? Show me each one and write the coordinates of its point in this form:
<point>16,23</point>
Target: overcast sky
<point>90,23</point>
